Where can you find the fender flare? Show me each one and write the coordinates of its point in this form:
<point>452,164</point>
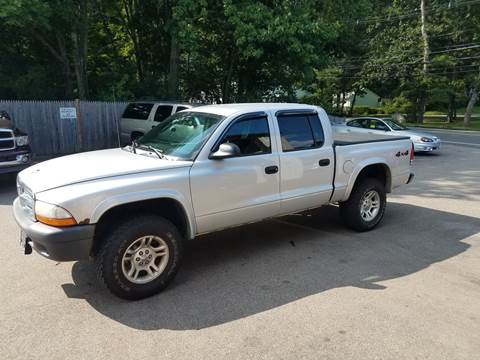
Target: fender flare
<point>364,164</point>
<point>123,199</point>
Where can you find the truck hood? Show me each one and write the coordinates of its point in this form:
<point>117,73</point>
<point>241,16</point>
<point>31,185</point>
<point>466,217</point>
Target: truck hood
<point>92,165</point>
<point>6,124</point>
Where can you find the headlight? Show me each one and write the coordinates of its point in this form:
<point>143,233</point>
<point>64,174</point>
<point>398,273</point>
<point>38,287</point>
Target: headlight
<point>21,140</point>
<point>426,139</point>
<point>53,215</point>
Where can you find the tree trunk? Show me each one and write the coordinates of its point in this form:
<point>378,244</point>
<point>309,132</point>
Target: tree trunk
<point>80,50</point>
<point>66,66</point>
<point>471,103</point>
<point>338,103</point>
<point>172,89</point>
<point>353,102</point>
<point>426,55</point>
<point>227,83</point>
<point>61,55</point>
<point>452,109</point>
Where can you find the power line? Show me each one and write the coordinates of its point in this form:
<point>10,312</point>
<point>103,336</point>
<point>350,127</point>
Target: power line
<point>443,49</point>
<point>415,12</point>
<point>456,49</point>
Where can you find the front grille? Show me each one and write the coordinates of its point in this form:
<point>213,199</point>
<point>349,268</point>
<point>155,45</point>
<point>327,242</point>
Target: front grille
<point>7,144</point>
<point>5,134</point>
<point>26,199</point>
<point>7,140</point>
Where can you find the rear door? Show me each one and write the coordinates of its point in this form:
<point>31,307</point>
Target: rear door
<point>306,162</point>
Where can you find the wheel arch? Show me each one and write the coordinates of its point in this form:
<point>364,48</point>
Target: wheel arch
<point>167,207</point>
<point>375,169</point>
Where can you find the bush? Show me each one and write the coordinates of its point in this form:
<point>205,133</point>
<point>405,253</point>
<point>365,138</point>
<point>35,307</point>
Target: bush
<point>428,113</point>
<point>365,110</point>
<point>400,104</point>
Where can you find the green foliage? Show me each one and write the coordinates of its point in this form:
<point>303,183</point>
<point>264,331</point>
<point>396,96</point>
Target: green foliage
<point>360,110</point>
<point>399,104</point>
<point>432,113</point>
<point>240,50</point>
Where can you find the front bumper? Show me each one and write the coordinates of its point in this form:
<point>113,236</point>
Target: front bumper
<point>58,244</point>
<point>426,146</point>
<point>15,160</point>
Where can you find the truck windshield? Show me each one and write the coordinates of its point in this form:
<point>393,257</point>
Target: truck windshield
<point>395,125</point>
<point>181,135</point>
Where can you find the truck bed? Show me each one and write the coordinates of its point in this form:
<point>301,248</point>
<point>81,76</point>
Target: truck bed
<point>342,138</point>
<point>352,149</point>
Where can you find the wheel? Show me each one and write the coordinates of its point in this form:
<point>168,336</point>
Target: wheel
<point>139,258</point>
<point>366,206</point>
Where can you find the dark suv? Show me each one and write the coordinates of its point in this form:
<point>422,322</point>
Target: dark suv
<point>15,152</point>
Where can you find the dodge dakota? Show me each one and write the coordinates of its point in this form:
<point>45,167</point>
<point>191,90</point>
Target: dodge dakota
<point>201,170</point>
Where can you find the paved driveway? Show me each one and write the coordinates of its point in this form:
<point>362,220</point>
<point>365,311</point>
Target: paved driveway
<point>301,287</point>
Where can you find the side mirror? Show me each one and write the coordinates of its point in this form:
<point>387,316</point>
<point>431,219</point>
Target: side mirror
<point>225,150</point>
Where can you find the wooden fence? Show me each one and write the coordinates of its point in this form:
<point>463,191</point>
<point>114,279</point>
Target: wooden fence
<point>95,125</point>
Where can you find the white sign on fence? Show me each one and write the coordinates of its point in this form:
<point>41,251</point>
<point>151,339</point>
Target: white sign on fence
<point>68,113</point>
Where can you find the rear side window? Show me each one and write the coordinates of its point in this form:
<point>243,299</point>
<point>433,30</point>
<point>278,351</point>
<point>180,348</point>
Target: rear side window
<point>296,132</point>
<point>317,130</point>
<point>252,136</point>
<point>139,111</point>
<point>354,123</point>
<point>163,111</point>
<point>180,108</point>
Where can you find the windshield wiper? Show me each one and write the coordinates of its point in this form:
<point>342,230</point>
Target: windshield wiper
<point>155,150</point>
<point>134,146</point>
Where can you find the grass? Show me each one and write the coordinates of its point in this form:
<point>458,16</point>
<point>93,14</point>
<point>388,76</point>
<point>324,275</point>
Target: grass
<point>441,123</point>
<point>476,110</point>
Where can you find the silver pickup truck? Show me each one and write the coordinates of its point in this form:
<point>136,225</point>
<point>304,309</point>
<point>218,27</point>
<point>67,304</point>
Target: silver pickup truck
<point>199,171</point>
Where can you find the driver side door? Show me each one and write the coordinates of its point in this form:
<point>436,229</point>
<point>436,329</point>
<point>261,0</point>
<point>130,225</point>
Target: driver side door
<point>240,189</point>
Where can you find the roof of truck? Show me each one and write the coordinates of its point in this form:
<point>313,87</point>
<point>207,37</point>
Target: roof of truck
<point>230,109</point>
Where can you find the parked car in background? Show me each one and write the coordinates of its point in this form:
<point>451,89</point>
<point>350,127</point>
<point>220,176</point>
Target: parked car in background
<point>422,141</point>
<point>15,152</point>
<point>140,117</point>
<point>200,171</point>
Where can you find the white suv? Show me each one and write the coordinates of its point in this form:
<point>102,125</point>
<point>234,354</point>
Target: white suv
<point>140,117</point>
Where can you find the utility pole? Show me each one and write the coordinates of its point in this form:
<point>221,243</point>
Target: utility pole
<point>426,47</point>
<point>426,56</point>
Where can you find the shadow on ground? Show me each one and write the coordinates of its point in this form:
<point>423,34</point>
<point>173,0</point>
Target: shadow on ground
<point>244,271</point>
<point>8,190</point>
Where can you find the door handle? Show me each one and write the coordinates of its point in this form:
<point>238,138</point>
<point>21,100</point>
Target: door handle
<point>324,162</point>
<point>271,169</point>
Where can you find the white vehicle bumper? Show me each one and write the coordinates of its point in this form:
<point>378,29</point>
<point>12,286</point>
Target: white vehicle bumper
<point>427,146</point>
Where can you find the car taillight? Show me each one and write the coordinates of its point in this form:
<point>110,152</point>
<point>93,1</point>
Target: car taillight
<point>412,154</point>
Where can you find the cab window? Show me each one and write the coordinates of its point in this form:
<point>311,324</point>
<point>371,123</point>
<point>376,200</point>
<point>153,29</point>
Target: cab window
<point>252,136</point>
<point>300,132</point>
<point>163,111</point>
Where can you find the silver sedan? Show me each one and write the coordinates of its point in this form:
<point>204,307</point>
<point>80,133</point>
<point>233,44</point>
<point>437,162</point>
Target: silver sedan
<point>422,141</point>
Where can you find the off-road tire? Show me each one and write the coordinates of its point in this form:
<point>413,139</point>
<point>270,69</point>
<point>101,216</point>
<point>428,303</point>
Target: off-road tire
<point>109,257</point>
<point>350,210</point>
